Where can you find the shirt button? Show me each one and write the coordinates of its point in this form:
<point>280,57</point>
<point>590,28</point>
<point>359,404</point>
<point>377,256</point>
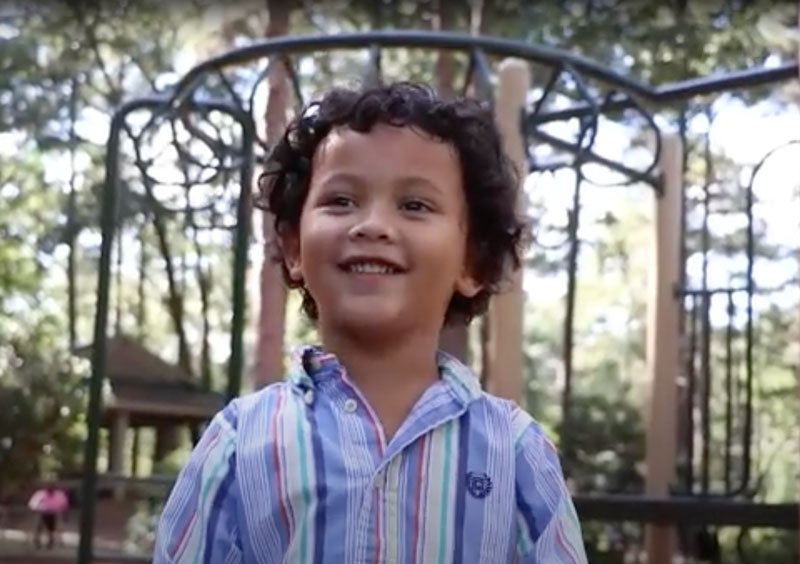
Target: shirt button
<point>350,405</point>
<point>380,479</point>
<point>308,397</point>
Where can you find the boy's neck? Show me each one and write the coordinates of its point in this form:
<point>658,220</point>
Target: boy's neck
<point>391,377</point>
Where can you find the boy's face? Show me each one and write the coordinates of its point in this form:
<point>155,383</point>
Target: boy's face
<point>382,244</point>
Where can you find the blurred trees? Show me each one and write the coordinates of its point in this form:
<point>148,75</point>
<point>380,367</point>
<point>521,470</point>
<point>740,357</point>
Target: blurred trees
<point>65,67</point>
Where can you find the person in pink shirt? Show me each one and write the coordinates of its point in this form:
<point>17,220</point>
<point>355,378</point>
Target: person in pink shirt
<point>49,502</point>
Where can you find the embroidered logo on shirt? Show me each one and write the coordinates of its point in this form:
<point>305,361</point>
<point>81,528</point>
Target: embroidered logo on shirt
<point>479,484</point>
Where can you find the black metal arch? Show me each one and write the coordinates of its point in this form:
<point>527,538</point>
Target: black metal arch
<point>622,92</point>
<point>186,97</point>
<point>546,56</point>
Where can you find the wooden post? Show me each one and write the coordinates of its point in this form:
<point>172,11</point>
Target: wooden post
<point>504,350</point>
<point>268,365</point>
<point>663,338</point>
<point>119,431</point>
<point>135,451</point>
<point>454,338</point>
<point>118,435</point>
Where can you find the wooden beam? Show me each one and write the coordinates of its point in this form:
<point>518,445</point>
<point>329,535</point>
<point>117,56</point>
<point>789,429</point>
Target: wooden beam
<point>454,338</point>
<point>663,338</point>
<point>798,364</point>
<point>268,365</point>
<point>504,350</point>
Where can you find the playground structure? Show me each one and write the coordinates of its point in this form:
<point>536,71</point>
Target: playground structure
<point>212,120</point>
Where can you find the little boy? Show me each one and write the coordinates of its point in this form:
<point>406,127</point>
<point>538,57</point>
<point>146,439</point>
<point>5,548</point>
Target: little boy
<point>395,214</point>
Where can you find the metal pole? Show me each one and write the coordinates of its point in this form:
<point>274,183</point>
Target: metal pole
<point>108,220</point>
<point>108,217</point>
<point>241,243</point>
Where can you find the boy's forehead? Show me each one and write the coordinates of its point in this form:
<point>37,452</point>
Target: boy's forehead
<point>346,144</point>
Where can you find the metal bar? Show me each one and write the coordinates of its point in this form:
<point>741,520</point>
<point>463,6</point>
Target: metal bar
<point>728,392</point>
<point>748,78</point>
<point>747,435</point>
<point>751,288</point>
<point>230,89</point>
<point>241,240</point>
<point>615,103</point>
<point>583,90</point>
<point>687,511</point>
<point>709,510</point>
<point>481,76</point>
<point>688,420</point>
<point>501,47</point>
<point>555,73</point>
<point>691,385</point>
<point>734,289</point>
<point>588,155</point>
<point>108,216</point>
<point>705,405</point>
<point>372,70</point>
<point>708,291</point>
<point>683,90</point>
<point>468,72</point>
<point>547,56</point>
<point>294,78</point>
<point>705,351</point>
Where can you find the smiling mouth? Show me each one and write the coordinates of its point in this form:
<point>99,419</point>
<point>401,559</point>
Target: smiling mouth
<point>370,267</point>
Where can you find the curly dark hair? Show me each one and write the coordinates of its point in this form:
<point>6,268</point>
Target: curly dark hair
<point>494,232</point>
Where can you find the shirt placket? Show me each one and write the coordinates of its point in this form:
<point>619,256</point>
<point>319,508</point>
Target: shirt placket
<point>380,496</point>
<point>353,404</point>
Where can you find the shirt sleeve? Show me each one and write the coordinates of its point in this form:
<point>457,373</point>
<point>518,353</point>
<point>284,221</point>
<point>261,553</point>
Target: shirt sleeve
<point>199,521</point>
<point>548,531</point>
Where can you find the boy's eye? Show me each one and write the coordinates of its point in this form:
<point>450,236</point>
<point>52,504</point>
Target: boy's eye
<point>416,206</point>
<point>339,201</point>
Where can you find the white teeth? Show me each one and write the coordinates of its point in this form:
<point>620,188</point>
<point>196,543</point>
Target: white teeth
<point>371,268</point>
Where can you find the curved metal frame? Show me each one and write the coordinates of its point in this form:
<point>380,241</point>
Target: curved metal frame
<point>623,93</point>
<point>108,223</point>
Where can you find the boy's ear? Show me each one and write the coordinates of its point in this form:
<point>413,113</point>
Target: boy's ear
<point>467,286</point>
<point>290,249</point>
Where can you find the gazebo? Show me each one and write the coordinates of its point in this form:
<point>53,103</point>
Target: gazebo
<point>145,391</point>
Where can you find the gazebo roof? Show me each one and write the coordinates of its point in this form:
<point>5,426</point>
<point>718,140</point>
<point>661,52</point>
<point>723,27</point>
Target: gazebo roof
<point>129,361</point>
<point>149,388</point>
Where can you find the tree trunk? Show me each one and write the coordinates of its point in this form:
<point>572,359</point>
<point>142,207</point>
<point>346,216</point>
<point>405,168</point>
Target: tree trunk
<point>569,320</point>
<point>144,261</point>
<point>454,338</point>
<point>204,281</point>
<point>72,227</point>
<point>175,299</point>
<point>269,346</point>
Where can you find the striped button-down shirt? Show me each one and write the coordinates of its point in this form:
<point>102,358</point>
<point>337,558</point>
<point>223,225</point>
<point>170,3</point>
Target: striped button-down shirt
<point>301,472</point>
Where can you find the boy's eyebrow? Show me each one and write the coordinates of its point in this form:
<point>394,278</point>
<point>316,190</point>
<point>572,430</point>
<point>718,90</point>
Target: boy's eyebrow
<point>339,176</point>
<point>414,180</point>
<point>357,180</point>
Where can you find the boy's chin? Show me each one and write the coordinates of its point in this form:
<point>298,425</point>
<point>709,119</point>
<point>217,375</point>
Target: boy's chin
<point>371,322</point>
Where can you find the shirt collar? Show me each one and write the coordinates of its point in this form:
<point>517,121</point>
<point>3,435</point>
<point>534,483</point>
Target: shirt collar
<point>310,364</point>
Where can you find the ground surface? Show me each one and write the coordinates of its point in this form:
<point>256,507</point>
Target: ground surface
<point>17,526</point>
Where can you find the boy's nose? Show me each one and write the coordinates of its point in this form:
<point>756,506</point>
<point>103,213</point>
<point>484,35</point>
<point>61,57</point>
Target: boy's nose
<point>373,226</point>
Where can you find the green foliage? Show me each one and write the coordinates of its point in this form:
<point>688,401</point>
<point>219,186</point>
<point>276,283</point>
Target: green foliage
<point>41,405</point>
<point>65,60</point>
